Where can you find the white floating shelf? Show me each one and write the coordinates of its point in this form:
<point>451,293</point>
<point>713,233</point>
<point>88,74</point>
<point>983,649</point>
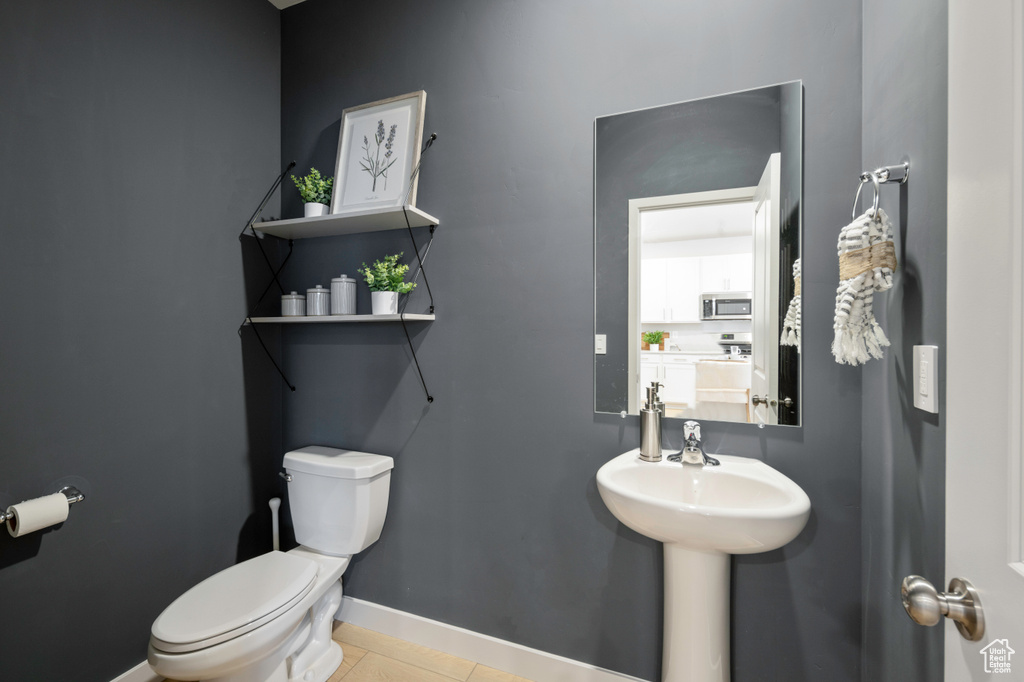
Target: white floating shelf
<point>323,319</point>
<point>352,222</point>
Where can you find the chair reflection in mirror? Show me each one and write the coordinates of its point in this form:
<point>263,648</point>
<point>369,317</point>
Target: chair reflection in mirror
<point>723,390</point>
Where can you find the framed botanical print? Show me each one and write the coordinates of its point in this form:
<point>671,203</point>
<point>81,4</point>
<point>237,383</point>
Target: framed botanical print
<point>378,151</point>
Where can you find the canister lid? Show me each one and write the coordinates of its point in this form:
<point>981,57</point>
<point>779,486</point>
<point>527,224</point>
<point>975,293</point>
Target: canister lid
<point>319,289</point>
<point>335,463</point>
<point>343,278</point>
<point>294,297</point>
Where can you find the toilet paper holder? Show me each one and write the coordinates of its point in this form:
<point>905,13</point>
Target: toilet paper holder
<point>71,492</point>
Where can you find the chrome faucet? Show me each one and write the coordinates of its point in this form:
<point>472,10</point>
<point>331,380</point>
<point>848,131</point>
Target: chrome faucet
<point>692,453</point>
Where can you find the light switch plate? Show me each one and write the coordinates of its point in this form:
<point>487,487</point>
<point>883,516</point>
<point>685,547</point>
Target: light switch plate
<point>600,344</point>
<point>926,378</point>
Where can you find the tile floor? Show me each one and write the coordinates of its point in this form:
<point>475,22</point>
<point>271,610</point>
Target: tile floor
<point>373,657</point>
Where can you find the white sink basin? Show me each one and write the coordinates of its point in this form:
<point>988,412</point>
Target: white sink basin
<point>739,507</point>
<point>702,514</point>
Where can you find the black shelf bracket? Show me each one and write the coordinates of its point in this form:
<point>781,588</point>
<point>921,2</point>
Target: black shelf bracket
<point>420,258</point>
<point>274,272</point>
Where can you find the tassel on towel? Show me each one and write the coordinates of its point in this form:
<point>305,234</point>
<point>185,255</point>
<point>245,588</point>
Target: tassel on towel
<point>867,259</point>
<point>791,325</point>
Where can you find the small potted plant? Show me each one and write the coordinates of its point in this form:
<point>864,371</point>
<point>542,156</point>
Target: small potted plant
<point>653,339</point>
<point>386,280</point>
<point>316,192</point>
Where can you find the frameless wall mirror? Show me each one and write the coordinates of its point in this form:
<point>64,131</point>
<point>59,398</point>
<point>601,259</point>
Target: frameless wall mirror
<point>697,241</point>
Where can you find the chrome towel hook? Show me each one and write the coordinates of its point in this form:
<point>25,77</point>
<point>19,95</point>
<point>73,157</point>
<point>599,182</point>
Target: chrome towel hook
<point>885,174</point>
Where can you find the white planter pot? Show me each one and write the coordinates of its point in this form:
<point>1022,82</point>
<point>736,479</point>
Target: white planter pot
<point>313,209</point>
<point>384,302</point>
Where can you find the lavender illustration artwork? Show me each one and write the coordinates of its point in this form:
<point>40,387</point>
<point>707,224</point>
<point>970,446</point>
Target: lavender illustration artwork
<point>374,162</point>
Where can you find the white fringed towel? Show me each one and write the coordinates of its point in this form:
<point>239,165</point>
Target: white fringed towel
<point>791,325</point>
<point>867,258</point>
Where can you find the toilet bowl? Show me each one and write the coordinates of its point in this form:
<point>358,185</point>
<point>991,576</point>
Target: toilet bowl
<point>269,619</point>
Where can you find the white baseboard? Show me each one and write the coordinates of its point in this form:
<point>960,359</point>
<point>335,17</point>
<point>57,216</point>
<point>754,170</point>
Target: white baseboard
<point>140,673</point>
<point>532,664</point>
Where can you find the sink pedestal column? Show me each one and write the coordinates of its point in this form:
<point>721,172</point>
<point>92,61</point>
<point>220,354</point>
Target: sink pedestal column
<point>696,644</point>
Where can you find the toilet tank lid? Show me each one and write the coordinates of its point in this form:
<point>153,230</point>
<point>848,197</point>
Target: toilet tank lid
<point>335,463</point>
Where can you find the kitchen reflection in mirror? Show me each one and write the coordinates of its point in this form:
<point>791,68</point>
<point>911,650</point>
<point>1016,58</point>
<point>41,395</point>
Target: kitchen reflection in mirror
<point>697,232</point>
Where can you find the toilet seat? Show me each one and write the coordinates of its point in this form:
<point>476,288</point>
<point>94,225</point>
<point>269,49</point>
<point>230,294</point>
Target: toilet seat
<point>233,602</point>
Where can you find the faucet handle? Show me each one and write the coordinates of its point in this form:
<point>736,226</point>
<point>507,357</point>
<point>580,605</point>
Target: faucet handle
<point>691,429</point>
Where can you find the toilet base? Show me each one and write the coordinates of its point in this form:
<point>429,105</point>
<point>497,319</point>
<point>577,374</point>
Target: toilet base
<point>319,656</point>
<point>322,669</point>
<point>276,668</point>
<point>271,669</point>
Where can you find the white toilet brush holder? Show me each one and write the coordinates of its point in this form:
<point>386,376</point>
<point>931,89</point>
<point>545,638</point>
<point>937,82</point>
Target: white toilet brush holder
<point>275,506</point>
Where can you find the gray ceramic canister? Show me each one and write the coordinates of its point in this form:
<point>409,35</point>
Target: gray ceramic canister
<point>343,296</point>
<point>293,305</point>
<point>318,301</point>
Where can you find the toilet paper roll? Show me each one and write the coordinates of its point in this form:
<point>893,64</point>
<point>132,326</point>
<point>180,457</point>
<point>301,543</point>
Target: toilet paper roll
<point>32,515</point>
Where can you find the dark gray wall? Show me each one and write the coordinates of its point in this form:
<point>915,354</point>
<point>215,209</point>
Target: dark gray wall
<point>905,76</point>
<point>495,523</point>
<point>137,139</point>
<point>708,144</point>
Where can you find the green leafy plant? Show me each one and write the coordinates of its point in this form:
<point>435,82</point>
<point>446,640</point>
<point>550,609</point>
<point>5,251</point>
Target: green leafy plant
<point>387,275</point>
<point>313,188</point>
<point>653,338</point>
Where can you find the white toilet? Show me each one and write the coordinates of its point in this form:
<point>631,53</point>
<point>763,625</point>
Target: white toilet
<point>269,619</point>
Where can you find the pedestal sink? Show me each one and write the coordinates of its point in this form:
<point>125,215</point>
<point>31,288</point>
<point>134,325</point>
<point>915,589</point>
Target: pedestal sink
<point>702,514</point>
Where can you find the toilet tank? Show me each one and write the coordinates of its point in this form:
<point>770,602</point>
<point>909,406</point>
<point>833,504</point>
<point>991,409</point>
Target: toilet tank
<point>338,498</point>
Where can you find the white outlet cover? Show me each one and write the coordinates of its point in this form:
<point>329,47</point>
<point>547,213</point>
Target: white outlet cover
<point>600,344</point>
<point>925,381</point>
